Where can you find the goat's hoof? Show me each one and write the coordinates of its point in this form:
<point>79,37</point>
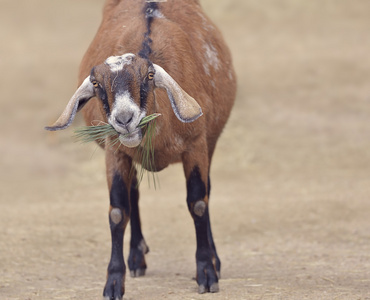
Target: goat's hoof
<point>207,278</point>
<point>137,272</point>
<point>202,289</point>
<point>214,288</point>
<point>136,259</point>
<point>115,287</point>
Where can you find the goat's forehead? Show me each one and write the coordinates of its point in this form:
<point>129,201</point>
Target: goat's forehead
<point>117,63</point>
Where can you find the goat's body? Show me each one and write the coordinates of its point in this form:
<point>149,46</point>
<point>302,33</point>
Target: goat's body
<point>190,48</point>
<point>156,57</point>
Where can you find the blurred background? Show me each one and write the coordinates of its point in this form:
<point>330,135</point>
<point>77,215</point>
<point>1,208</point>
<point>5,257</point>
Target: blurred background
<point>290,194</point>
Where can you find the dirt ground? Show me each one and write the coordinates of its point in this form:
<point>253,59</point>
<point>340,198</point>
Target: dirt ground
<point>290,204</point>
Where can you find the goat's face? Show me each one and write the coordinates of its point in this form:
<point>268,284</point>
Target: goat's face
<point>125,86</point>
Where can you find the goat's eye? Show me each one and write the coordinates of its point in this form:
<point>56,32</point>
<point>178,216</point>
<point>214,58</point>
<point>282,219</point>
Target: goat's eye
<point>95,83</point>
<point>150,75</point>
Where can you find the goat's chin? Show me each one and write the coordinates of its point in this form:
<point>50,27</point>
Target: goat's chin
<point>131,140</point>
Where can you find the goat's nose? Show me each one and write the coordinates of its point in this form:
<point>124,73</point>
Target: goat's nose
<point>124,119</point>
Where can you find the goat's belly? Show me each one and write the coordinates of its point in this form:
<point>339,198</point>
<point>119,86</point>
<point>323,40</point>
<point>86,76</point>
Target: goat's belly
<point>157,161</point>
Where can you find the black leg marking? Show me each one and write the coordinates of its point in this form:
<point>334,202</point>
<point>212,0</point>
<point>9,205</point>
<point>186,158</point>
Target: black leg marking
<point>119,194</point>
<point>196,189</point>
<point>118,218</point>
<point>138,247</point>
<point>210,235</point>
<point>213,246</point>
<point>207,278</point>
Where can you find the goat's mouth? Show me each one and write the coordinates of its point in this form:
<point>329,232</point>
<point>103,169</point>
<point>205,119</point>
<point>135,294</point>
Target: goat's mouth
<point>131,139</point>
<point>129,135</point>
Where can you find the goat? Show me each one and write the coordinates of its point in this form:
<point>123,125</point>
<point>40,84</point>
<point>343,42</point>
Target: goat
<point>150,56</point>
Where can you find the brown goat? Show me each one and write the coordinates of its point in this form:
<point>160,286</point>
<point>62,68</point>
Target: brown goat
<point>144,57</point>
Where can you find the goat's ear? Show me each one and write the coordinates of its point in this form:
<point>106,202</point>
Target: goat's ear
<point>83,94</point>
<point>185,107</point>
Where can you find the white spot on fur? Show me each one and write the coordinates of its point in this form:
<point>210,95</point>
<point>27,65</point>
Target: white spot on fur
<point>211,58</point>
<point>153,13</point>
<point>206,69</point>
<point>116,63</point>
<point>157,14</point>
<point>179,142</point>
<point>206,25</point>
<point>199,208</point>
<point>143,247</point>
<point>231,77</point>
<point>116,215</point>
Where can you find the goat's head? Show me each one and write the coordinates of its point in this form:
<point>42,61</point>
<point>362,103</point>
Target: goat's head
<point>125,86</point>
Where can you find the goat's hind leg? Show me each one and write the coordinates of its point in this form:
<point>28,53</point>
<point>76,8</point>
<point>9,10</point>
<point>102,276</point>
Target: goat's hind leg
<point>210,236</point>
<point>138,247</point>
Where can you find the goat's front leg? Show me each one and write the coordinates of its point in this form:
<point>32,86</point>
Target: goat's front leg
<point>196,168</point>
<point>118,170</point>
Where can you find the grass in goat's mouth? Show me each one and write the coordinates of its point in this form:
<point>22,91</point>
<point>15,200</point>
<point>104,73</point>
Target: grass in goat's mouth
<point>99,133</point>
<point>105,133</point>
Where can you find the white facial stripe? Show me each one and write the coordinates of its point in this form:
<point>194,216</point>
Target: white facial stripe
<point>116,63</point>
<point>124,103</point>
<point>125,107</point>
